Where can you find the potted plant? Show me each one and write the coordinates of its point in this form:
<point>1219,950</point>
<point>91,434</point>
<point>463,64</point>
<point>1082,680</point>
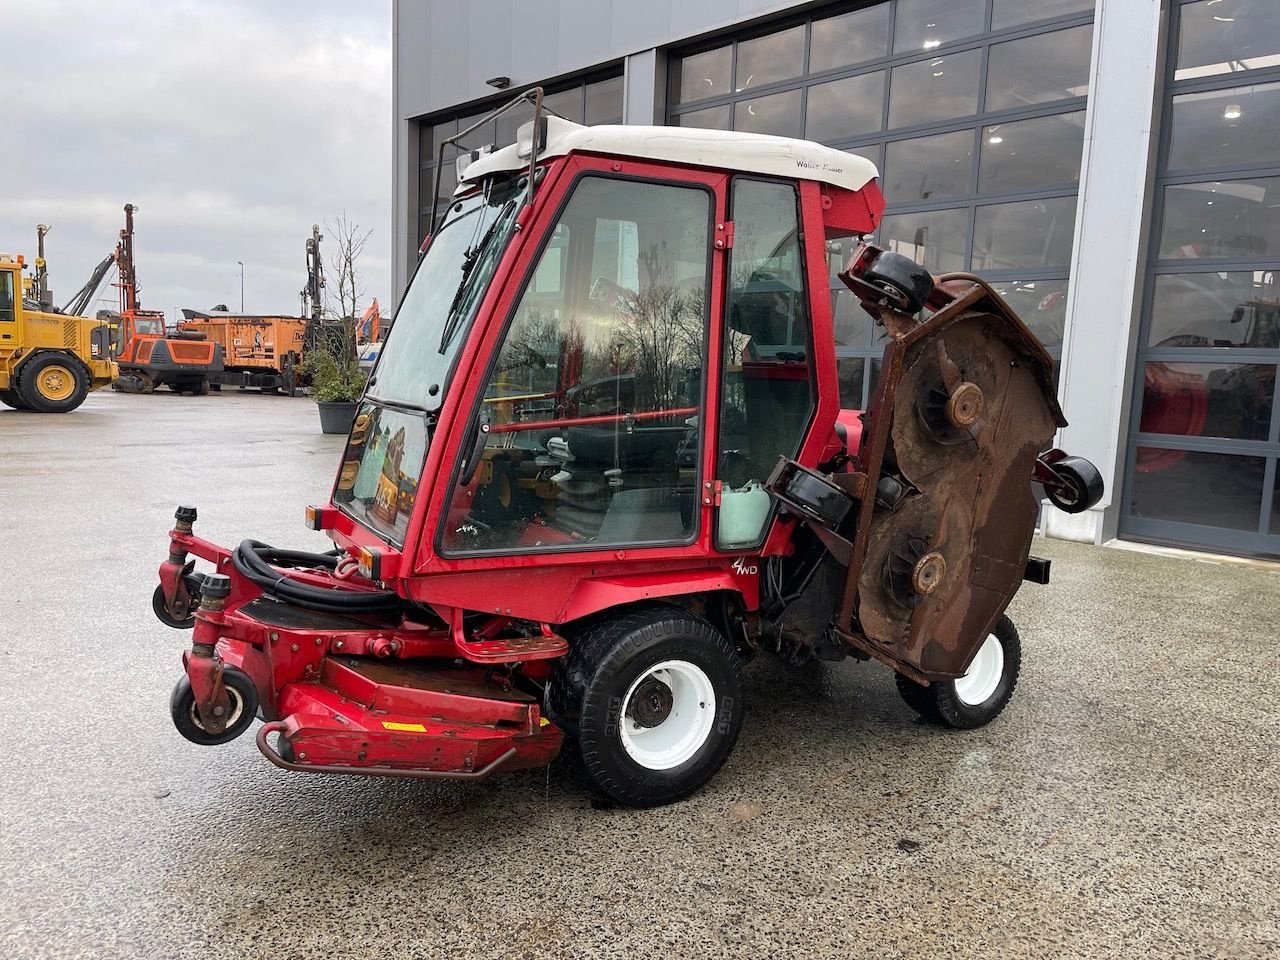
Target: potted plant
<point>336,386</point>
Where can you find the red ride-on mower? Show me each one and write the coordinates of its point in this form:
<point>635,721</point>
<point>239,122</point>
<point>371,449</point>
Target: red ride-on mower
<point>602,458</point>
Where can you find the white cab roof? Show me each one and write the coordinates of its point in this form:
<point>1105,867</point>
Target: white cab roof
<point>719,149</point>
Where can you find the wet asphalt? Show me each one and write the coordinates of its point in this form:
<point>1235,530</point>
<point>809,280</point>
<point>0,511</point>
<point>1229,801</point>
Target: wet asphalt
<point>1125,805</point>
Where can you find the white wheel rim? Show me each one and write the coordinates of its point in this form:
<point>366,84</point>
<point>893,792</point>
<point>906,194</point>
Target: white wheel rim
<point>237,707</point>
<point>684,729</point>
<point>984,673</point>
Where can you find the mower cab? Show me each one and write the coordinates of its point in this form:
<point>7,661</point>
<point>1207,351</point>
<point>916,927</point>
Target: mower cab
<point>602,458</point>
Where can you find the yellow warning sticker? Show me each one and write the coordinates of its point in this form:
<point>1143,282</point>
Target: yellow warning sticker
<point>403,727</point>
<point>543,721</point>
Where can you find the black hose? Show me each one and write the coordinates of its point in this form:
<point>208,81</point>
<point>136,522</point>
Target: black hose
<point>259,563</point>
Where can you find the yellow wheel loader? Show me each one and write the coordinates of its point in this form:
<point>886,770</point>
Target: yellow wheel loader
<point>49,361</point>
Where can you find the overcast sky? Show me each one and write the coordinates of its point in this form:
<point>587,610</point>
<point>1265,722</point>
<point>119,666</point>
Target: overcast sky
<point>232,125</point>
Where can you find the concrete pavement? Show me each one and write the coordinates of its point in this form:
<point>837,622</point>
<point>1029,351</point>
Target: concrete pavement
<point>1124,805</point>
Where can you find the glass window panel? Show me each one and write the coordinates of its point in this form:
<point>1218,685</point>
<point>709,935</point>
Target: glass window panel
<point>850,372</point>
<point>619,344</point>
<point>1225,128</point>
<point>712,118</point>
<point>438,134</point>
<point>1228,309</point>
<point>768,59</point>
<point>926,24</point>
<point>479,137</point>
<point>604,101</point>
<point>1030,233</point>
<point>935,239</point>
<point>869,152</point>
<point>1042,305</point>
<point>704,74</point>
<point>1214,489</point>
<point>566,103</point>
<point>1039,69</point>
<point>778,114</point>
<point>843,109</point>
<point>766,386</point>
<point>1227,36</point>
<point>849,38</point>
<point>1031,153</point>
<point>1275,510</point>
<point>509,123</point>
<point>1233,218</point>
<point>943,88</point>
<point>1230,400</point>
<point>928,168</point>
<point>852,323</point>
<point>1011,13</point>
<point>425,152</point>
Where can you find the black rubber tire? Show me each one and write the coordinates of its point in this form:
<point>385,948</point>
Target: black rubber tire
<point>585,698</point>
<point>162,612</point>
<point>203,389</point>
<point>30,394</point>
<point>907,283</point>
<point>244,708</point>
<point>943,707</point>
<point>918,698</point>
<point>1084,485</point>
<point>11,398</point>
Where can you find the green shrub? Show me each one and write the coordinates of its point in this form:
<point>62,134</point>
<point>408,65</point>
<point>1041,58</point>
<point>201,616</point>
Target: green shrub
<point>333,381</point>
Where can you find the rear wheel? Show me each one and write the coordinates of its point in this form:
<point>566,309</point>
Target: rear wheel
<point>11,398</point>
<point>53,383</point>
<point>979,696</point>
<point>651,701</point>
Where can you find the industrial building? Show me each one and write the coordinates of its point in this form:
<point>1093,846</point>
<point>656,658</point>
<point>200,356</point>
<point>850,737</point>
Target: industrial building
<point>1112,166</point>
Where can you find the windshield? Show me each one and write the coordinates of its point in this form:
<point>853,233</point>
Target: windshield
<point>441,302</point>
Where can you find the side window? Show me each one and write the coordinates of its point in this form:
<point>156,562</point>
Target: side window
<point>594,401</point>
<point>766,383</point>
<point>6,297</point>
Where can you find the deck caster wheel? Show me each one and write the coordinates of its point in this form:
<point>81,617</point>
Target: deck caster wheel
<point>1082,485</point>
<point>907,284</point>
<point>244,706</point>
<point>651,701</point>
<point>978,697</point>
<point>162,612</point>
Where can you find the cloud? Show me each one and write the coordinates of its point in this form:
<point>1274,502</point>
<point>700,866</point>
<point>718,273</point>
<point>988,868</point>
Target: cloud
<point>233,125</point>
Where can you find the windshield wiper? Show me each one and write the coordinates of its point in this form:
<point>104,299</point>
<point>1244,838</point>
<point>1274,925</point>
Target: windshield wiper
<point>469,261</point>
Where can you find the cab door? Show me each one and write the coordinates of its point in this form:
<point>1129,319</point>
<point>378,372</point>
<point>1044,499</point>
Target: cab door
<point>595,398</point>
<point>10,304</point>
<point>768,364</point>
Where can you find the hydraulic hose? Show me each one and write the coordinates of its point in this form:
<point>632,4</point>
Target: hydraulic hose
<point>259,563</point>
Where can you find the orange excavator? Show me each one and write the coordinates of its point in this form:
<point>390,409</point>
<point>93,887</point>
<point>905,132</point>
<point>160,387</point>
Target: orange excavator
<point>147,355</point>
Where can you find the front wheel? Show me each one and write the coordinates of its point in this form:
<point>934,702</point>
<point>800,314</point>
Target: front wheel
<point>244,706</point>
<point>979,696</point>
<point>53,383</point>
<point>652,701</point>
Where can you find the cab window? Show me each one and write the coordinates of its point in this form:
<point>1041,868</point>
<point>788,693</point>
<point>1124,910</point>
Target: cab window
<point>593,401</point>
<point>6,297</point>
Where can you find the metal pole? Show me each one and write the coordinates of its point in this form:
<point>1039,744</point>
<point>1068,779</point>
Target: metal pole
<point>241,262</point>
